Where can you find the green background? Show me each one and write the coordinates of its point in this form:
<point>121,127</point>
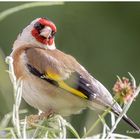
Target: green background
<point>103,37</point>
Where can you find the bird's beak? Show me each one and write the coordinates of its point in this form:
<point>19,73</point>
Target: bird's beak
<point>46,32</point>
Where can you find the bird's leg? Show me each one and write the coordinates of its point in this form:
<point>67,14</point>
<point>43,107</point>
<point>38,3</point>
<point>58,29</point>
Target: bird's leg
<point>32,119</point>
<point>47,114</point>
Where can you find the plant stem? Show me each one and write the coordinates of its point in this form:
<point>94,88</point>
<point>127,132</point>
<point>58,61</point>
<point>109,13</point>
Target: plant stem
<point>12,10</point>
<point>96,123</point>
<point>125,109</point>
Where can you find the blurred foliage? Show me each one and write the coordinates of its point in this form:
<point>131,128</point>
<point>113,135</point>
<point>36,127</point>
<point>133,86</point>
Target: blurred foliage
<point>104,37</point>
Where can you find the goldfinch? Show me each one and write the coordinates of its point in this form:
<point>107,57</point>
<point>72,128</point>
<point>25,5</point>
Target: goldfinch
<point>53,80</point>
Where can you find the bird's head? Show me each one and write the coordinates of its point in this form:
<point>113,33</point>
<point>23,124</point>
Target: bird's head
<point>40,31</point>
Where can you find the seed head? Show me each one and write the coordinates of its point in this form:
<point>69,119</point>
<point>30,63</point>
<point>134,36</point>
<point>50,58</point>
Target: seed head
<point>124,90</point>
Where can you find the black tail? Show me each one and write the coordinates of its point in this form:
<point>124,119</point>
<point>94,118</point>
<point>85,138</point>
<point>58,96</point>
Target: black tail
<point>130,122</point>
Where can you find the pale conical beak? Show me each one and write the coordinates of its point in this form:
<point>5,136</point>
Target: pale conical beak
<point>46,32</point>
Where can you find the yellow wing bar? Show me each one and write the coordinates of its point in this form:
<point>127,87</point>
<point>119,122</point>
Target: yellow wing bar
<point>63,85</point>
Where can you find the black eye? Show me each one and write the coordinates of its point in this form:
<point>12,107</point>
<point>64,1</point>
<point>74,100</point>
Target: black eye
<point>38,26</point>
<point>53,33</point>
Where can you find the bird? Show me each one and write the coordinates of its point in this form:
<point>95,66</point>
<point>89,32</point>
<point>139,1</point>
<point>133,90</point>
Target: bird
<point>53,80</point>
